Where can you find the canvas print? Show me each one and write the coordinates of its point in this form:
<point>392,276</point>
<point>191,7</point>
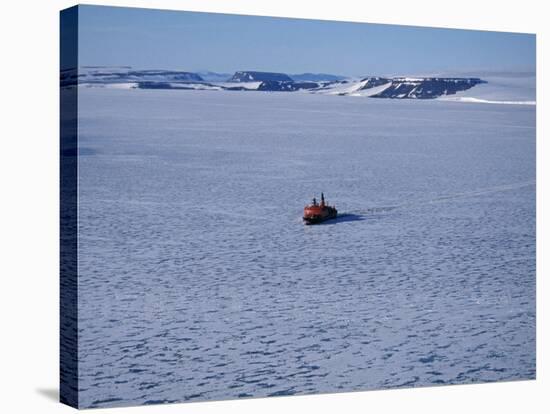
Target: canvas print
<point>257,206</point>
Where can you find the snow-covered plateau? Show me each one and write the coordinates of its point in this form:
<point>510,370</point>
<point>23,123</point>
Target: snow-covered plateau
<point>493,88</point>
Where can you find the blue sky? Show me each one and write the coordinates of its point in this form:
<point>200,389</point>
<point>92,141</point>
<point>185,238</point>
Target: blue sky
<point>159,39</point>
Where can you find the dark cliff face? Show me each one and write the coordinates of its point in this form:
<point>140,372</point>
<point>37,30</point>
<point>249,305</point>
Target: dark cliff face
<point>163,85</point>
<point>398,88</point>
<point>426,88</point>
<point>277,86</point>
<point>250,76</point>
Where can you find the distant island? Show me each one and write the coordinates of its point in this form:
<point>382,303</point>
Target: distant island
<point>369,86</point>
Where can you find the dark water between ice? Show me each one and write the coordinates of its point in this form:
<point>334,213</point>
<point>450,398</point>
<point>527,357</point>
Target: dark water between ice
<point>198,280</point>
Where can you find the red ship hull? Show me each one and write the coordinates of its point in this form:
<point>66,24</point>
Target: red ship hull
<point>318,214</point>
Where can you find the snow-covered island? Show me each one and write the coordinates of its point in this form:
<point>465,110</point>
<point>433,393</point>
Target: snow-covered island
<point>448,88</point>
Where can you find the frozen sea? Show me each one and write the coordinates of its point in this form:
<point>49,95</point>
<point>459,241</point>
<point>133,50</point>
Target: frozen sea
<point>198,280</point>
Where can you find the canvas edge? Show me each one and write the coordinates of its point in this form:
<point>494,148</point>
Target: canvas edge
<point>68,214</point>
